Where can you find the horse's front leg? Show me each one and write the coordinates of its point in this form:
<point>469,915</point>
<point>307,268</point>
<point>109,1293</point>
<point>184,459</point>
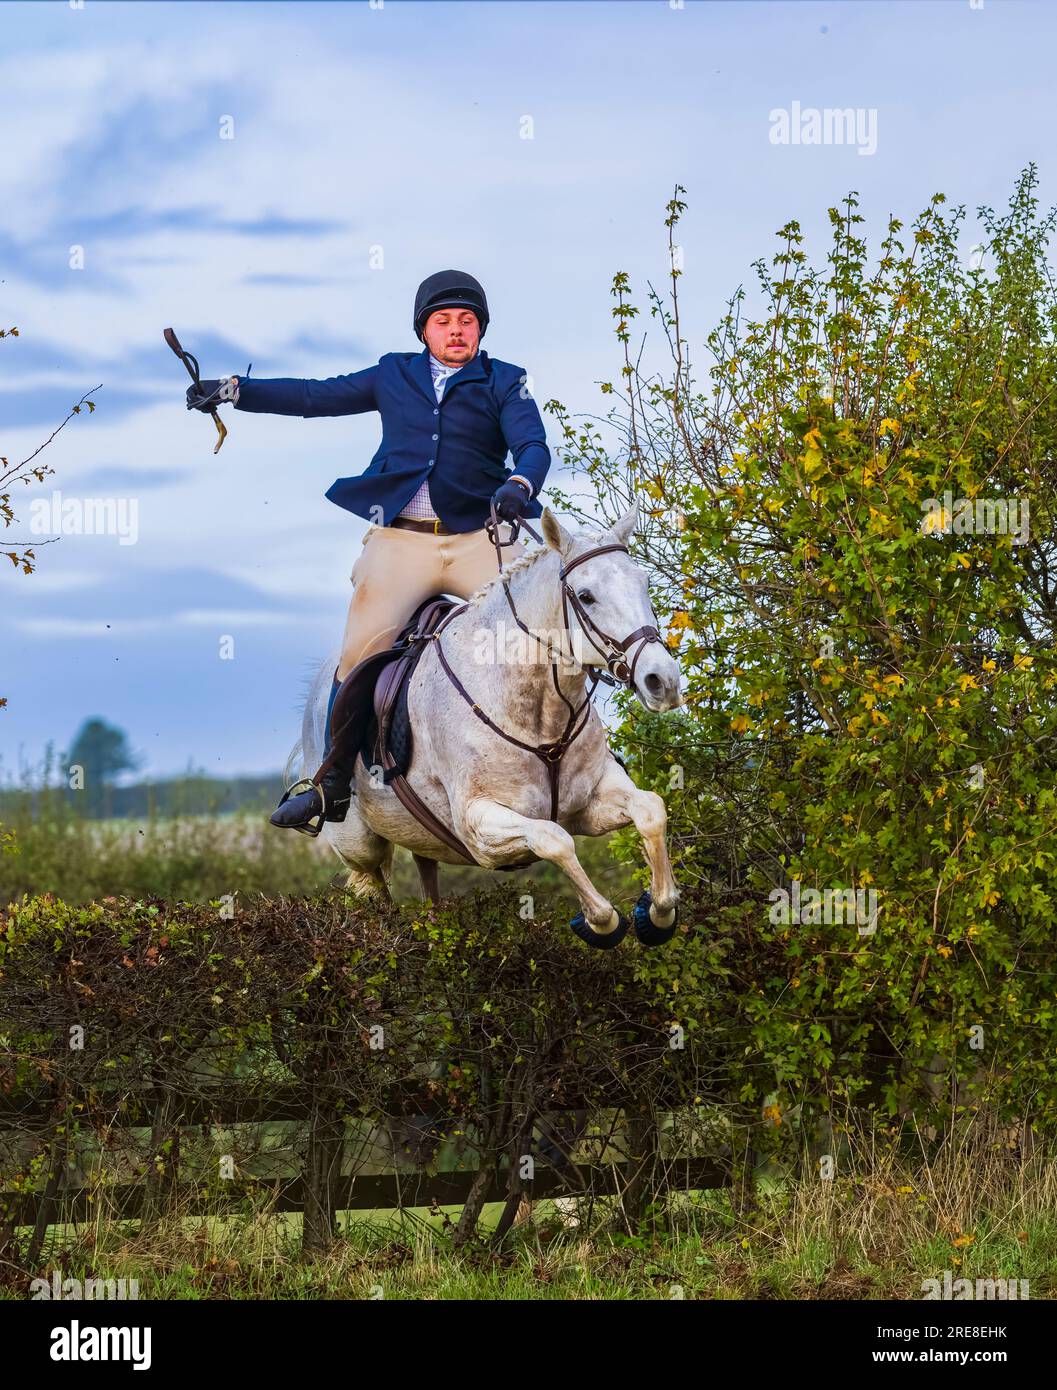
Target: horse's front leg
<point>496,834</point>
<point>614,802</point>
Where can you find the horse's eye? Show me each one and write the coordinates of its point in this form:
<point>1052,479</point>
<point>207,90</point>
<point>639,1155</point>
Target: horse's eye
<point>586,596</point>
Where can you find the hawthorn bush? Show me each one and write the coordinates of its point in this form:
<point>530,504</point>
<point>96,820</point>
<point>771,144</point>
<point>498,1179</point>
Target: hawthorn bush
<point>463,1030</point>
<point>849,530</point>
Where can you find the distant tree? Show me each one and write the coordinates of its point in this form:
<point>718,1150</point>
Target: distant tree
<point>99,754</point>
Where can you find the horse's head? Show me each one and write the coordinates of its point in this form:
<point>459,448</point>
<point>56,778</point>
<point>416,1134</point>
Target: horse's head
<point>606,603</point>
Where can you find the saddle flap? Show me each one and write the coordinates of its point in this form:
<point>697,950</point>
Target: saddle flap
<point>388,683</point>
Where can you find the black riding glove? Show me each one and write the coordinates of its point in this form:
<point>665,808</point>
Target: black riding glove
<point>511,500</point>
<point>207,395</point>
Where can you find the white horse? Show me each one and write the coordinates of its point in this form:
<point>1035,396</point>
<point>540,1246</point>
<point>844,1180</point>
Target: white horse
<point>496,796</point>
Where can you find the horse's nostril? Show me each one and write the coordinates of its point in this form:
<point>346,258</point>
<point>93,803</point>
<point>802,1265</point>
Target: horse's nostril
<point>654,684</point>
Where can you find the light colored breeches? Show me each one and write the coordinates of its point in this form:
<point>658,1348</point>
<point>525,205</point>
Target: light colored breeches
<point>398,569</point>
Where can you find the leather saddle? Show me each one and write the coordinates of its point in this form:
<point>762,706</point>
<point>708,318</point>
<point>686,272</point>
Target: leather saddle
<point>363,707</point>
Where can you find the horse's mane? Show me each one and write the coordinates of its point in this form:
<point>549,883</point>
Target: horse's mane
<point>522,562</point>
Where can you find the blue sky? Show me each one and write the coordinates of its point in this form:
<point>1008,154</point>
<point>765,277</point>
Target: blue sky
<point>399,128</point>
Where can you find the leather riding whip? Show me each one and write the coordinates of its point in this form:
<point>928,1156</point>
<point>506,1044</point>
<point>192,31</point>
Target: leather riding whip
<point>191,363</point>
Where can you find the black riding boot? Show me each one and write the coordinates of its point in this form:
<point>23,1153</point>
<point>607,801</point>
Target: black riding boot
<point>306,805</point>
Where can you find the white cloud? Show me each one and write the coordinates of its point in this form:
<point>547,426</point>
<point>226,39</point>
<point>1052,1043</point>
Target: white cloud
<point>221,619</point>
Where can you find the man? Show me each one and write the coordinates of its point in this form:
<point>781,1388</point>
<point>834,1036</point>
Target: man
<point>450,414</point>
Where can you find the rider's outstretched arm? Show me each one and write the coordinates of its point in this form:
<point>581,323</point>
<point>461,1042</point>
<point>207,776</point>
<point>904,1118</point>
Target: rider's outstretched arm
<point>337,395</point>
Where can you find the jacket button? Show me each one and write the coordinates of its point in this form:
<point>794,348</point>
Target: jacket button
<point>436,412</point>
<point>430,463</point>
<point>436,436</point>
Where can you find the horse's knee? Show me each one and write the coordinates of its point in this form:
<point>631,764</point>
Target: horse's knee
<point>494,827</point>
<point>649,813</point>
<point>550,841</point>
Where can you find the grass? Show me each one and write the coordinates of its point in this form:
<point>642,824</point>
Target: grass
<point>975,1209</point>
<point>193,858</point>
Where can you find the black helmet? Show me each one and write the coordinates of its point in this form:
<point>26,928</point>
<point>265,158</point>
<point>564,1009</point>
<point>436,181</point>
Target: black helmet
<point>449,289</point>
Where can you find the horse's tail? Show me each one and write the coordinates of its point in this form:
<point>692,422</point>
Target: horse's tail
<point>292,770</point>
<point>307,752</point>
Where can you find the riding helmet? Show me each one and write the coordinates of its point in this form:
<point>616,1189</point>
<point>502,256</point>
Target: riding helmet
<point>449,289</point>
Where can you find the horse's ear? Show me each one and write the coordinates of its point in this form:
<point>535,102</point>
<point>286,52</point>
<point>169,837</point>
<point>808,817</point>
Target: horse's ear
<point>627,525</point>
<point>554,533</point>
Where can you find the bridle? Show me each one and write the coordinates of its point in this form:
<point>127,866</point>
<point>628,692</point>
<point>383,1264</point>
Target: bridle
<point>613,649</point>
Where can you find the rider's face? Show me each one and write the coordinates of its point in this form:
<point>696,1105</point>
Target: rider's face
<point>452,335</point>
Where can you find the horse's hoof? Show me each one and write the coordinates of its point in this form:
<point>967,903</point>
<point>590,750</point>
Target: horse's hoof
<point>645,930</point>
<point>605,941</point>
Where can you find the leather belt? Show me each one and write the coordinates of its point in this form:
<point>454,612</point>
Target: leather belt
<point>413,523</point>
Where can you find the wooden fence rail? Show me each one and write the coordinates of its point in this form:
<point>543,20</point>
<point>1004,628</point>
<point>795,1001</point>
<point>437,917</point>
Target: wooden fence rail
<point>321,1189</point>
<point>123,1201</point>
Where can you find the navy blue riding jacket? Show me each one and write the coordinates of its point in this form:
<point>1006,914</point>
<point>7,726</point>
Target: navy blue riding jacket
<point>460,445</point>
